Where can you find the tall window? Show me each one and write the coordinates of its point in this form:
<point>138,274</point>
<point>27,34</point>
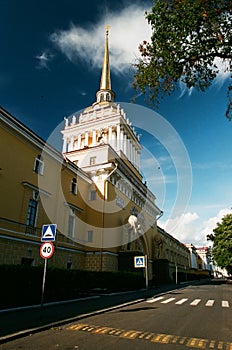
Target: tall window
<point>92,195</point>
<point>74,186</point>
<point>39,165</point>
<point>71,224</point>
<point>32,213</point>
<point>89,236</point>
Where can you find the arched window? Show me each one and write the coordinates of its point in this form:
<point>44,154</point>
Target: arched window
<point>39,165</point>
<point>74,186</point>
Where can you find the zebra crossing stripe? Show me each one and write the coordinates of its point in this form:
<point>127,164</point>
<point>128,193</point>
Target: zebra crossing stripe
<point>210,302</point>
<point>195,302</point>
<point>181,301</point>
<point>153,300</point>
<point>225,303</point>
<point>167,300</point>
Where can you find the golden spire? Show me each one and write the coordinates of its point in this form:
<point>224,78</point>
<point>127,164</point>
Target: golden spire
<point>105,77</point>
<point>105,94</point>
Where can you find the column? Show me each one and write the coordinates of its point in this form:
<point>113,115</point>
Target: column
<point>79,141</point>
<point>118,132</point>
<point>94,137</point>
<point>64,149</point>
<point>110,135</point>
<point>71,143</point>
<point>125,145</point>
<point>114,145</point>
<point>136,158</point>
<point>86,138</point>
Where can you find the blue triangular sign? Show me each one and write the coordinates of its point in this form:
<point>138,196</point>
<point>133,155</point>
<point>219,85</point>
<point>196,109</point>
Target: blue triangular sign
<point>48,233</point>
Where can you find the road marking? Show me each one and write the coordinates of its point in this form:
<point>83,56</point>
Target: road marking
<point>220,345</point>
<point>181,301</point>
<point>167,300</point>
<point>212,344</point>
<point>195,302</point>
<point>153,300</point>
<point>225,303</point>
<point>197,343</point>
<point>210,302</point>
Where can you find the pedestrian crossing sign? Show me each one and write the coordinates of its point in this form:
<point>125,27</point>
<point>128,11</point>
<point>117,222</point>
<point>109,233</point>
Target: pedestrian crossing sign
<point>139,261</point>
<point>48,233</point>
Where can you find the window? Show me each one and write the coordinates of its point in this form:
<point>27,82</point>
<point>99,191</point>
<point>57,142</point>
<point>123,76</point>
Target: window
<point>92,160</point>
<point>69,265</point>
<point>74,186</point>
<point>71,225</point>
<point>90,236</point>
<point>92,196</point>
<point>120,202</point>
<point>39,165</point>
<point>27,261</point>
<point>32,213</point>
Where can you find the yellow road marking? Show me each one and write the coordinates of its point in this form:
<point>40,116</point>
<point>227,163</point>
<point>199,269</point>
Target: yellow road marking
<point>212,344</point>
<point>220,345</point>
<point>197,343</point>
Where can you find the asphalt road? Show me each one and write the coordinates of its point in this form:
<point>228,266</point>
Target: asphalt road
<point>195,317</point>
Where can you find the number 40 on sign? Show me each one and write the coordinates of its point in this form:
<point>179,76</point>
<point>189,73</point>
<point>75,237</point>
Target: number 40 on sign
<point>46,250</point>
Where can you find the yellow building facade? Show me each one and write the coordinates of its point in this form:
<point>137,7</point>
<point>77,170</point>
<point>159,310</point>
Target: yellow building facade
<point>93,191</point>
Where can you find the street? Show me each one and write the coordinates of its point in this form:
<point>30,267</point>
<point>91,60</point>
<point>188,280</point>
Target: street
<point>195,317</point>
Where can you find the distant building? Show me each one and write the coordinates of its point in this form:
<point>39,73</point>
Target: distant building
<point>203,253</point>
<point>172,258</point>
<point>199,260</point>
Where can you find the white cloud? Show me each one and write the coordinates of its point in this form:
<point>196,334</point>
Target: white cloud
<point>183,228</point>
<point>128,29</point>
<point>189,227</point>
<point>44,59</point>
<point>211,223</point>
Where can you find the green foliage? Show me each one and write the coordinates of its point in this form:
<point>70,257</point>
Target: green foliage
<point>222,243</point>
<point>187,37</point>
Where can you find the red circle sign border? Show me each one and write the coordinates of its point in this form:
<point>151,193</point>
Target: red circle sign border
<point>41,250</point>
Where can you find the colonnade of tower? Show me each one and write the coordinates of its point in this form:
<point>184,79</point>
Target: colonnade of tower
<point>106,125</point>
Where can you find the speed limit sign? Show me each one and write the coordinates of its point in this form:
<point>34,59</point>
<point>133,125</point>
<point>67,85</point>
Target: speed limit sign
<point>46,250</point>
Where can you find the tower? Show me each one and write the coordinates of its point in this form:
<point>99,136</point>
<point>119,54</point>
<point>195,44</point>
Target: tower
<point>105,122</point>
<point>102,142</point>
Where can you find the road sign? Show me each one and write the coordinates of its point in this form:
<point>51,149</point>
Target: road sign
<point>48,233</point>
<point>139,261</point>
<point>46,250</point>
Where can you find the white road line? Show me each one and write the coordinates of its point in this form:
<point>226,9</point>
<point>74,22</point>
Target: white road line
<point>153,300</point>
<point>210,302</point>
<point>167,300</point>
<point>225,303</point>
<point>181,301</point>
<point>195,302</point>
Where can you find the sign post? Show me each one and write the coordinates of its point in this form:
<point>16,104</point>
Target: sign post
<point>46,251</point>
<point>141,262</point>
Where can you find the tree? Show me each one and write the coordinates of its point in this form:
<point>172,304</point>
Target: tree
<point>222,243</point>
<point>190,39</point>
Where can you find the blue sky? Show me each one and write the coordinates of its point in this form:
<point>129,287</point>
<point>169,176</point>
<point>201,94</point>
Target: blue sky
<point>50,66</point>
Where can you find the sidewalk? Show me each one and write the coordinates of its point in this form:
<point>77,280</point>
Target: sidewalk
<point>21,322</point>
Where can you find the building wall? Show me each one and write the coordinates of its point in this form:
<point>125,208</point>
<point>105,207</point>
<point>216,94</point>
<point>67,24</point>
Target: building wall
<point>51,189</point>
<point>123,196</point>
